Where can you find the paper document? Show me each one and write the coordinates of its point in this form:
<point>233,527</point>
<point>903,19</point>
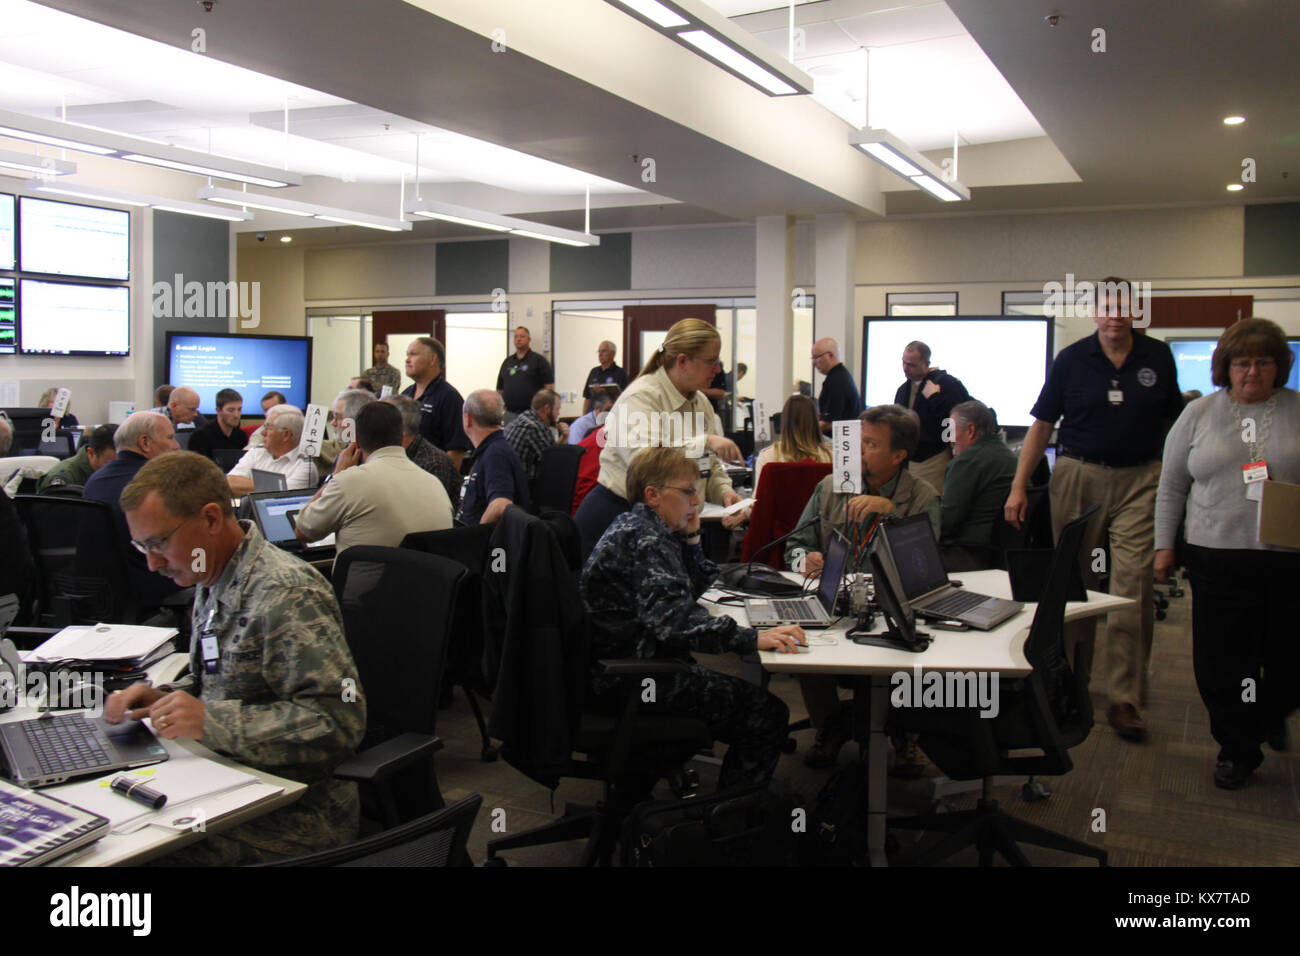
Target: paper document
<point>103,642</point>
<point>738,506</point>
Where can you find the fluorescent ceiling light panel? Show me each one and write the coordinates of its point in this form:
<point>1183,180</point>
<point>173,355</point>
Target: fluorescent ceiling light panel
<point>702,29</point>
<point>890,151</point>
<point>433,209</point>
<point>139,150</point>
<point>39,165</point>
<point>136,199</point>
<point>306,210</point>
<point>656,12</point>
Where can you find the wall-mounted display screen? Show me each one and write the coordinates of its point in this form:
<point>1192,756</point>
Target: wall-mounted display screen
<point>8,317</point>
<point>7,257</point>
<point>1002,361</point>
<point>250,364</point>
<point>1192,360</point>
<point>69,239</point>
<point>68,318</point>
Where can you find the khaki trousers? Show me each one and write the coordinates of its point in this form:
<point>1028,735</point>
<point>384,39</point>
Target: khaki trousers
<point>1127,521</point>
<point>931,470</point>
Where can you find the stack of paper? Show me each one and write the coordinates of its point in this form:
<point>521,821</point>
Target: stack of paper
<point>118,644</point>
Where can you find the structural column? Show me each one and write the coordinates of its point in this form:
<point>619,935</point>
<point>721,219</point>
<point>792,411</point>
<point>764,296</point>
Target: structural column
<point>773,287</point>
<point>836,255</point>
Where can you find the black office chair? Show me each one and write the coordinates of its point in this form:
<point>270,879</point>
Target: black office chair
<point>556,478</point>
<point>397,607</point>
<point>227,458</point>
<point>436,839</point>
<point>67,491</point>
<point>80,559</point>
<point>467,545</point>
<point>1034,532</point>
<point>539,669</point>
<point>1049,710</point>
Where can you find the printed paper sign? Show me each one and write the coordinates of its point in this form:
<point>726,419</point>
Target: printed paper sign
<point>313,430</point>
<point>846,456</point>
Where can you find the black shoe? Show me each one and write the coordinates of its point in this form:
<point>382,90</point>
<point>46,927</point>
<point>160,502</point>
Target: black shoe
<point>1276,737</point>
<point>1231,774</point>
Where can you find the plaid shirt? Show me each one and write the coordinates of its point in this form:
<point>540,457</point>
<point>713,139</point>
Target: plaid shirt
<point>437,463</point>
<point>529,436</point>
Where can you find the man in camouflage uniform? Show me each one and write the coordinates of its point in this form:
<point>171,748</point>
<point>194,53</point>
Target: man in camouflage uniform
<point>381,373</point>
<point>273,684</point>
<point>641,586</point>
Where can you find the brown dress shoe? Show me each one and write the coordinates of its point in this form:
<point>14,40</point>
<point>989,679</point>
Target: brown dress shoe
<point>1124,718</point>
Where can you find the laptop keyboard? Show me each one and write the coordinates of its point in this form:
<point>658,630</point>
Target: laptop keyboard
<point>788,609</point>
<point>65,744</point>
<point>956,603</point>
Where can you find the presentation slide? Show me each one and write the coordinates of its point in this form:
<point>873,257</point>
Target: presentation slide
<point>8,324</point>
<point>250,364</point>
<point>69,239</point>
<point>6,231</point>
<point>63,318</point>
<point>1192,360</point>
<point>1001,361</point>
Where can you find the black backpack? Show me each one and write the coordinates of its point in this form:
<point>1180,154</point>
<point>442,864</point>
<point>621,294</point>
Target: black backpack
<point>747,825</point>
<point>837,826</point>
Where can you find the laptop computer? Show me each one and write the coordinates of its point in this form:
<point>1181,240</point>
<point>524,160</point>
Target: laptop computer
<point>925,585</point>
<point>276,515</point>
<point>269,480</point>
<point>49,750</point>
<point>814,611</point>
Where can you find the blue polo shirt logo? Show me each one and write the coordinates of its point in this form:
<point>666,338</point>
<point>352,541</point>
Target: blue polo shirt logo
<point>1146,377</point>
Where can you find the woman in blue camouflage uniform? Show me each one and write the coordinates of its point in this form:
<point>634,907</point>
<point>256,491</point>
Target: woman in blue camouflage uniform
<point>641,587</point>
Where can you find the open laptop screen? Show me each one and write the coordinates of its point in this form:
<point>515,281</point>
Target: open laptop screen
<point>916,555</point>
<point>828,585</point>
<point>275,514</point>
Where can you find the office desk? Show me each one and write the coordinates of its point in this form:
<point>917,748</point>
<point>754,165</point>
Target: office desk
<point>153,841</point>
<point>999,651</point>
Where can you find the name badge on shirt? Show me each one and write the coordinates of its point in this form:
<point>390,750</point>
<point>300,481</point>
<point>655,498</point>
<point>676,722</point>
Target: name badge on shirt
<point>1254,471</point>
<point>1115,396</point>
<point>208,645</point>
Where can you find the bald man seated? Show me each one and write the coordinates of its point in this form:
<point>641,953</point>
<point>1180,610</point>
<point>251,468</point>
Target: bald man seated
<point>839,399</point>
<point>182,409</point>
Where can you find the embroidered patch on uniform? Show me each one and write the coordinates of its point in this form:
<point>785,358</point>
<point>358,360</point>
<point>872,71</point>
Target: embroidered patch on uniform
<point>1146,377</point>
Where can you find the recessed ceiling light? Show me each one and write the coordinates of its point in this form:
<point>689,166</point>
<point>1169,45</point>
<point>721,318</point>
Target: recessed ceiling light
<point>286,238</point>
<point>1233,120</point>
<point>1235,187</point>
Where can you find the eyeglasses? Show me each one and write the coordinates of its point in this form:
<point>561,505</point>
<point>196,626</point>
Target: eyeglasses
<point>709,362</point>
<point>690,493</point>
<point>157,545</point>
<point>1244,365</point>
<point>820,354</point>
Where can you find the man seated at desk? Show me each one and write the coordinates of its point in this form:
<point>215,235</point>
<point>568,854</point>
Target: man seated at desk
<point>889,436</point>
<point>975,486</point>
<point>96,451</point>
<point>272,683</point>
<point>642,585</point>
<point>279,453</point>
<point>223,432</point>
<point>376,495</point>
<point>497,479</point>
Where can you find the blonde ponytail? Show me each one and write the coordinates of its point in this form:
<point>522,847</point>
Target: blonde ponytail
<point>688,337</point>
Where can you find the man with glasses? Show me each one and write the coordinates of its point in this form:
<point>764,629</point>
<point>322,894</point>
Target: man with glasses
<point>280,454</point>
<point>1115,394</point>
<point>271,684</point>
<point>143,437</point>
<point>605,374</point>
<point>182,409</point>
<point>839,400</point>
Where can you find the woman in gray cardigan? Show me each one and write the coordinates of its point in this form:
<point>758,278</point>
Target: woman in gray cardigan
<point>1243,601</point>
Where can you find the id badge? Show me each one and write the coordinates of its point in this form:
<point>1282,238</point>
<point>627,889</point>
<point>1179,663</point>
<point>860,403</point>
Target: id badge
<point>1115,396</point>
<point>211,652</point>
<point>1254,471</point>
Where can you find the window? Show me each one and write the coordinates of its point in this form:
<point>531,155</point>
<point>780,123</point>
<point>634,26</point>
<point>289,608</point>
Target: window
<point>903,304</point>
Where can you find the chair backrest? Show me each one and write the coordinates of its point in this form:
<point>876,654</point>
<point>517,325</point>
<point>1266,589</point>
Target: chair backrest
<point>468,546</point>
<point>398,606</point>
<point>776,512</point>
<point>227,458</point>
<point>67,491</point>
<point>1045,646</point>
<point>557,476</point>
<point>437,839</point>
<point>535,647</point>
<point>80,558</point>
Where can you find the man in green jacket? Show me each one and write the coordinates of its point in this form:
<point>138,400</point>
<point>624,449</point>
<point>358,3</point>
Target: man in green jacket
<point>95,452</point>
<point>975,486</point>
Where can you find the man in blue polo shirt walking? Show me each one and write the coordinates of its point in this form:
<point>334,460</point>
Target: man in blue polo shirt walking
<point>1116,394</point>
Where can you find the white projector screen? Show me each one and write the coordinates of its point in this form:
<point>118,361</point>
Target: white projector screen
<point>1002,361</point>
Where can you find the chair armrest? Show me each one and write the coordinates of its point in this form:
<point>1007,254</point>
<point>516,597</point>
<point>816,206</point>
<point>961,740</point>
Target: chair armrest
<point>383,760</point>
<point>640,667</point>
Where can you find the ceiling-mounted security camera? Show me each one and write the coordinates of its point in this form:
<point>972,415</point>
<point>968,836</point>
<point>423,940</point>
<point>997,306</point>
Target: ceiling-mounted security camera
<point>1053,18</point>
<point>261,237</point>
<point>207,5</point>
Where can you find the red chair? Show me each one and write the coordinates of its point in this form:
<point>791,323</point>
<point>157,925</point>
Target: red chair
<point>783,490</point>
<point>249,429</point>
<point>588,465</point>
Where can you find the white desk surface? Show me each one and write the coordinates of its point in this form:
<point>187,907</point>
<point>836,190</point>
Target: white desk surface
<point>1001,649</point>
<point>152,841</point>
